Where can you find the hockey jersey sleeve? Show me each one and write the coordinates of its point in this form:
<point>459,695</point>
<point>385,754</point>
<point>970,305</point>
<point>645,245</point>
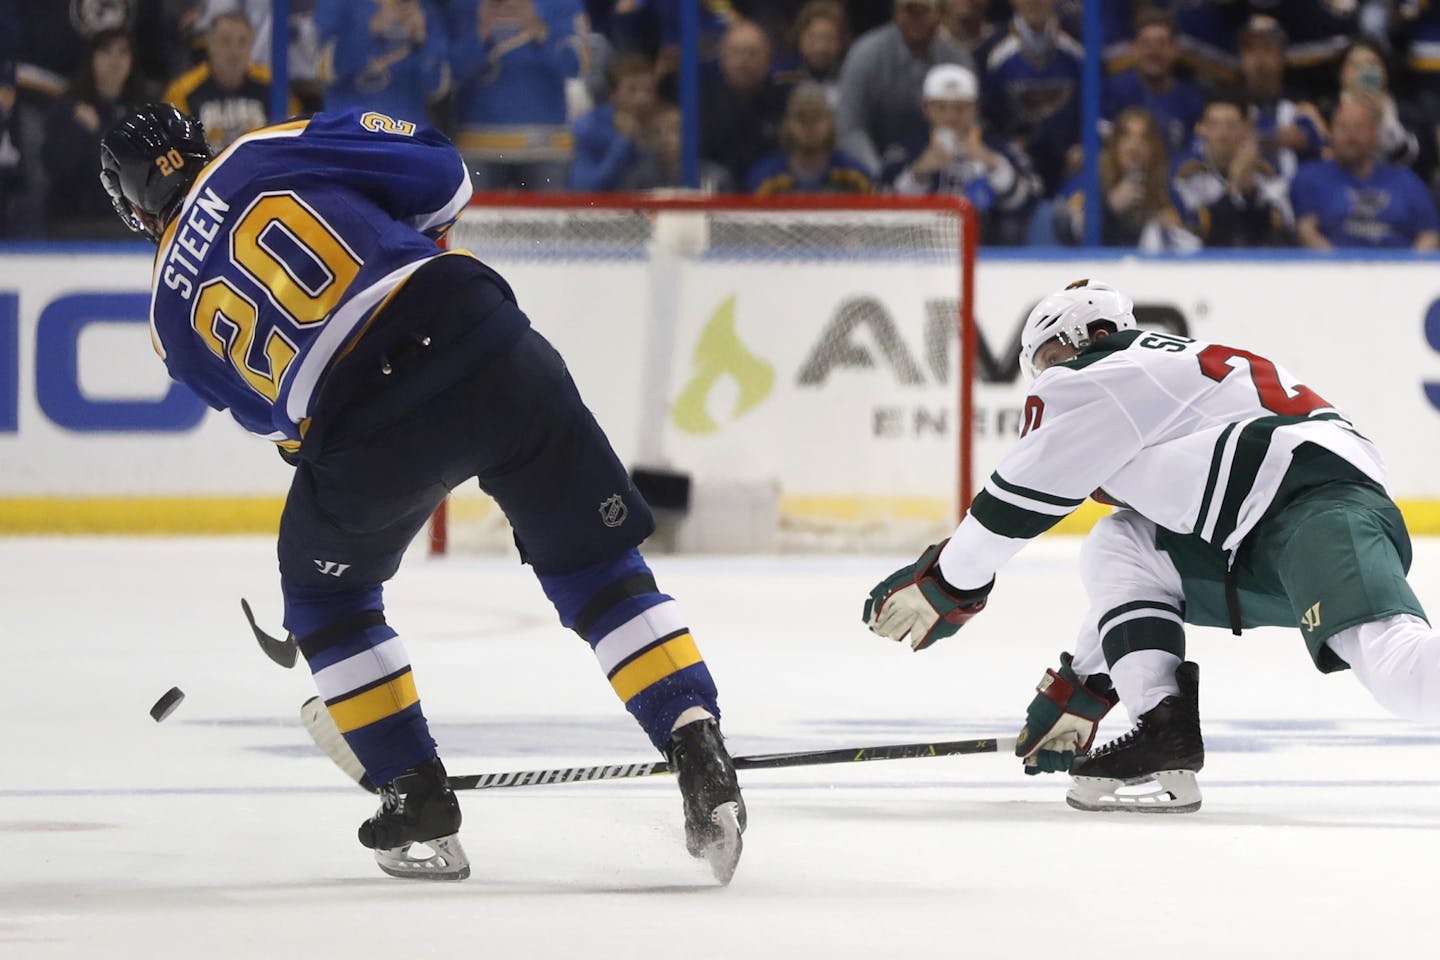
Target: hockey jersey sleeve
<point>1077,435</point>
<point>409,170</point>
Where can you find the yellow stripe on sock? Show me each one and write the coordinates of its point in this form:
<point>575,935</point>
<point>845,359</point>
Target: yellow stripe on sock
<point>672,656</point>
<point>375,704</point>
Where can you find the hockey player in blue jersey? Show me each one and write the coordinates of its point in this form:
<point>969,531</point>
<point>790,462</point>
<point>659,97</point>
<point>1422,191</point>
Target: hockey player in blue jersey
<point>298,285</point>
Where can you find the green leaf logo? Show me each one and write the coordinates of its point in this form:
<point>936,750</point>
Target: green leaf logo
<point>719,353</point>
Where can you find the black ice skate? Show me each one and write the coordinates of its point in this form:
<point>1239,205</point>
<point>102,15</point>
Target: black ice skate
<point>714,809</point>
<point>418,810</point>
<point>1162,753</point>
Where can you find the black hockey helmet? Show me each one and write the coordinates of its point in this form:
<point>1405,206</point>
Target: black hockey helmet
<point>148,162</point>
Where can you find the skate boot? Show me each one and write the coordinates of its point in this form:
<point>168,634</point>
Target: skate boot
<point>1161,755</point>
<point>714,809</point>
<point>418,810</point>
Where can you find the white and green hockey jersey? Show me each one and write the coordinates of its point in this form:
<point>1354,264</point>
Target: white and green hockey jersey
<point>1194,436</point>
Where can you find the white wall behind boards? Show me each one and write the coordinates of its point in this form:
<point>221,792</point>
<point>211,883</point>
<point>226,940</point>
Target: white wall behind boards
<point>834,377</point>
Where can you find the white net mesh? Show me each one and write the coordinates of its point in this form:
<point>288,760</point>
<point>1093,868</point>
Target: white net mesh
<point>799,365</point>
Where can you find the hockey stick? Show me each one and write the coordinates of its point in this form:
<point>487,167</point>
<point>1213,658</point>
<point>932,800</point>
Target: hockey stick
<point>321,727</point>
<point>768,761</point>
<point>282,652</point>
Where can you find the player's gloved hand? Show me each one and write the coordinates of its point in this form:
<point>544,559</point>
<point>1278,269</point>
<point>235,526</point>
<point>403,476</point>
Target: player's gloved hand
<point>916,600</point>
<point>1062,719</point>
<point>291,457</point>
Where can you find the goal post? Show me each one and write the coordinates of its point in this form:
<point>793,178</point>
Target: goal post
<point>779,373</point>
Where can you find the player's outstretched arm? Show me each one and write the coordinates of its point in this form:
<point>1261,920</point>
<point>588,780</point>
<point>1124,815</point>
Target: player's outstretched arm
<point>916,601</point>
<point>1062,719</point>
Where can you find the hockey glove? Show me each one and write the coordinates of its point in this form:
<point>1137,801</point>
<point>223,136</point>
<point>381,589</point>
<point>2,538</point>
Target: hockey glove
<point>916,600</point>
<point>1062,719</point>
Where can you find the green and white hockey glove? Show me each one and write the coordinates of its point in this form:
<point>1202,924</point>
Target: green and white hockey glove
<point>1061,721</point>
<point>916,601</point>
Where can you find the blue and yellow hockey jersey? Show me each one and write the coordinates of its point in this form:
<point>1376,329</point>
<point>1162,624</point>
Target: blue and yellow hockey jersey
<point>286,245</point>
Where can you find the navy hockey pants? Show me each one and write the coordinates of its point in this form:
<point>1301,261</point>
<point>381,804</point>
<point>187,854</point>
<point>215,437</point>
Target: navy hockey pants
<point>399,424</point>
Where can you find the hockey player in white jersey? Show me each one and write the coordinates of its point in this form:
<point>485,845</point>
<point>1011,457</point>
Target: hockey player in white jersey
<point>1243,499</point>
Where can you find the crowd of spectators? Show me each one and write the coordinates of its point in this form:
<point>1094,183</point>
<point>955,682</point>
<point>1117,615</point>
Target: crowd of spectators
<point>1223,122</point>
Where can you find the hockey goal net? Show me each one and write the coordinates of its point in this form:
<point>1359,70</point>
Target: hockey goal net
<point>778,373</point>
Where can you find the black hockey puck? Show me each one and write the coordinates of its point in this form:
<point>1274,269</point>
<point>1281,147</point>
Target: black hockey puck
<point>166,704</point>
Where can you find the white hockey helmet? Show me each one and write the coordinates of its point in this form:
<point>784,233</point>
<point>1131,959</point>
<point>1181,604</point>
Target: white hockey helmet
<point>1067,315</point>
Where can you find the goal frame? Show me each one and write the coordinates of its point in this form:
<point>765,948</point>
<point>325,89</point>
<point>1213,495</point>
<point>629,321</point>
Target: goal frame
<point>843,203</point>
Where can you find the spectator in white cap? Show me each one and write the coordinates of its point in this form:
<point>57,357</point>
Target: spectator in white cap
<point>881,80</point>
<point>954,156</point>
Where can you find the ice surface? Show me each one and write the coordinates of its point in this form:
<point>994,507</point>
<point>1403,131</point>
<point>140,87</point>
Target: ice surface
<point>222,833</point>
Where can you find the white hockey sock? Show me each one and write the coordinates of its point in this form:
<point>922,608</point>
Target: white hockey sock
<point>690,715</point>
<point>1143,678</point>
<point>1398,660</point>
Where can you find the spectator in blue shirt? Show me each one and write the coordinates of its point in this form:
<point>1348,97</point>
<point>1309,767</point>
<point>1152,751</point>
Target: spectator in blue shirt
<point>956,157</point>
<point>510,60</point>
<point>385,55</point>
<point>1030,90</point>
<point>609,140</point>
<point>1354,200</point>
<point>808,161</point>
<point>652,27</point>
<point>1205,32</point>
<point>1152,84</point>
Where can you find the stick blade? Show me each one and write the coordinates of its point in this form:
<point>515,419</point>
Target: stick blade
<point>284,652</point>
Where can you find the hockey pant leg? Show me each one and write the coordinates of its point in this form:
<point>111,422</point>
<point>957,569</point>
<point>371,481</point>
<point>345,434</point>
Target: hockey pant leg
<point>1134,628</point>
<point>1397,659</point>
<point>640,638</point>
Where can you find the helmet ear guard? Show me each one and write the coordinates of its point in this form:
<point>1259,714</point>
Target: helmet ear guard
<point>148,162</point>
<point>1068,314</point>
<point>110,180</point>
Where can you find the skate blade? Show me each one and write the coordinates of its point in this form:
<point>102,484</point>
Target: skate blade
<point>723,852</point>
<point>447,860</point>
<point>1170,791</point>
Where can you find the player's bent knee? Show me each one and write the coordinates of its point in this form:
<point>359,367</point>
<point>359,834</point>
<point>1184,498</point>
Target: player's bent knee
<point>309,610</point>
<point>1118,533</point>
<point>1118,548</point>
<point>590,598</point>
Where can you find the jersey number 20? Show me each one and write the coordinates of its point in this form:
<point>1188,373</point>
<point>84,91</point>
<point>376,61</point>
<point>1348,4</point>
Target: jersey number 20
<point>298,262</point>
<point>1217,362</point>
